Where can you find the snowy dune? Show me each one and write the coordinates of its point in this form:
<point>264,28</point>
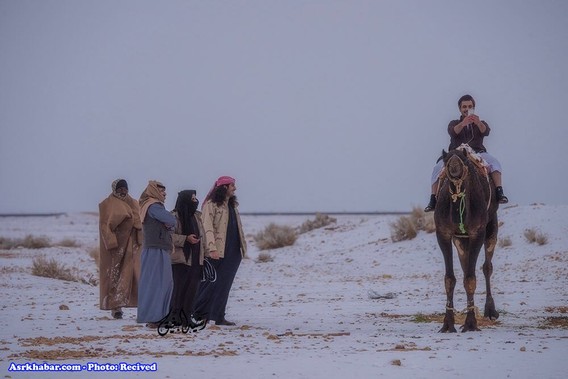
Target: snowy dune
<point>308,313</point>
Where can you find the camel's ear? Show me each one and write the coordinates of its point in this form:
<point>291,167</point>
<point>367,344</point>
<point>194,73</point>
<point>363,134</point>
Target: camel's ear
<point>444,154</point>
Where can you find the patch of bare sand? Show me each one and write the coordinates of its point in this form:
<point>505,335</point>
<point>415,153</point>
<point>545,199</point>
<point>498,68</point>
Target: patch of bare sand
<point>84,349</point>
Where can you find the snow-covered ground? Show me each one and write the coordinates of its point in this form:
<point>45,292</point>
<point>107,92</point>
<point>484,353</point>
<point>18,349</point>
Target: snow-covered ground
<point>308,313</point>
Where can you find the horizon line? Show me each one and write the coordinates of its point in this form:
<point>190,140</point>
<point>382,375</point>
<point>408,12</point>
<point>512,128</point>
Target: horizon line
<point>57,214</point>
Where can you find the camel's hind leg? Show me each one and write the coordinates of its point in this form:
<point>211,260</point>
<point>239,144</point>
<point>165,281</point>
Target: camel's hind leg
<point>490,242</point>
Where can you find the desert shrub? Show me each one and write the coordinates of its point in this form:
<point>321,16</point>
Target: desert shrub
<point>541,239</point>
<point>532,236</point>
<point>41,266</point>
<point>28,242</point>
<point>423,220</point>
<point>51,268</point>
<point>264,257</point>
<point>419,317</point>
<point>505,242</point>
<point>68,242</point>
<point>95,253</point>
<point>6,243</point>
<point>275,236</point>
<point>5,270</point>
<point>403,229</point>
<point>407,227</point>
<point>320,221</point>
<point>33,242</point>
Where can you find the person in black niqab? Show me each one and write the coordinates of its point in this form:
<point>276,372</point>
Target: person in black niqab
<point>187,259</point>
<point>186,205</point>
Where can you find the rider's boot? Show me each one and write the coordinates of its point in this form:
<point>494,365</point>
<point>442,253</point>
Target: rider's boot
<point>432,204</point>
<point>501,198</point>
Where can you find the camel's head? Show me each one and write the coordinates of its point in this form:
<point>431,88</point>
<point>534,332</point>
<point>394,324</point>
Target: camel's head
<point>455,163</point>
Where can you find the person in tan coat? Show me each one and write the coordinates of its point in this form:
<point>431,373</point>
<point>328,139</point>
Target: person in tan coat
<point>120,232</point>
<point>225,244</point>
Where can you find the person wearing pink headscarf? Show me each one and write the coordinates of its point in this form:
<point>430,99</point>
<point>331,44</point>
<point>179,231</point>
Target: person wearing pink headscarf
<point>225,246</point>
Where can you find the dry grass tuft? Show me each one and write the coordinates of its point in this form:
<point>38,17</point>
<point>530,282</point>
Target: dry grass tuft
<point>33,242</point>
<point>5,270</point>
<point>68,242</point>
<point>51,268</point>
<point>320,221</point>
<point>422,220</point>
<point>407,227</point>
<point>532,236</point>
<point>41,266</point>
<point>275,236</point>
<point>554,322</point>
<point>6,243</point>
<point>419,318</point>
<point>541,239</point>
<point>505,242</point>
<point>560,309</point>
<point>28,242</point>
<point>264,257</point>
<point>95,253</point>
<point>459,319</point>
<point>403,229</point>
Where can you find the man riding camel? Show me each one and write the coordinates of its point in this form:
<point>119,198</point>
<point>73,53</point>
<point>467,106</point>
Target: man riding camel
<point>471,130</point>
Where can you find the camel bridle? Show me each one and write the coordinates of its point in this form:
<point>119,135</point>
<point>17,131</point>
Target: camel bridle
<point>459,193</point>
<point>458,182</point>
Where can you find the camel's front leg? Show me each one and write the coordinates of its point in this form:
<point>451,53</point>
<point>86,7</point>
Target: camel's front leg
<point>470,323</point>
<point>449,318</point>
<point>449,284</point>
<point>468,250</point>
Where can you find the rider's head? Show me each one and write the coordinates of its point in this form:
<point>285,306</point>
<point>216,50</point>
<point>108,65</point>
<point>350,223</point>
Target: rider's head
<point>466,98</point>
<point>465,103</point>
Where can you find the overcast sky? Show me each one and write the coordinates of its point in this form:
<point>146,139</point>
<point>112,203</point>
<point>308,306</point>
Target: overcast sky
<point>311,105</point>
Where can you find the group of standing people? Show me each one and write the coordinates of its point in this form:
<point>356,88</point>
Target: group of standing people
<point>153,259</point>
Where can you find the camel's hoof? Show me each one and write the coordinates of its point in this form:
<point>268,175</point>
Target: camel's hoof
<point>448,329</point>
<point>469,328</point>
<point>491,314</point>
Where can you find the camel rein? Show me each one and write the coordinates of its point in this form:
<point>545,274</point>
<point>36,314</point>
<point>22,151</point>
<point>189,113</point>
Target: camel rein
<point>459,194</point>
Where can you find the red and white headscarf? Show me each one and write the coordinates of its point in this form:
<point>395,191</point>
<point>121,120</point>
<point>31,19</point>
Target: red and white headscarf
<point>222,181</point>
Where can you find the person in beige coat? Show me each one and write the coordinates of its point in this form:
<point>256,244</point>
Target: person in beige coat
<point>225,244</point>
<point>120,232</point>
<point>188,254</point>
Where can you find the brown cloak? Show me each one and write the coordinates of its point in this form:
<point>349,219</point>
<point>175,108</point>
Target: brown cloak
<point>120,243</point>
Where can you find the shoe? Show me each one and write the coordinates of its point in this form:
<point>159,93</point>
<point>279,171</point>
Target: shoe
<point>431,205</point>
<point>116,313</point>
<point>153,325</point>
<point>225,322</point>
<point>501,198</point>
<point>197,323</point>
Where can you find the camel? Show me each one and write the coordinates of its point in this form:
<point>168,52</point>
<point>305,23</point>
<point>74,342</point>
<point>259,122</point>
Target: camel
<point>466,215</point>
